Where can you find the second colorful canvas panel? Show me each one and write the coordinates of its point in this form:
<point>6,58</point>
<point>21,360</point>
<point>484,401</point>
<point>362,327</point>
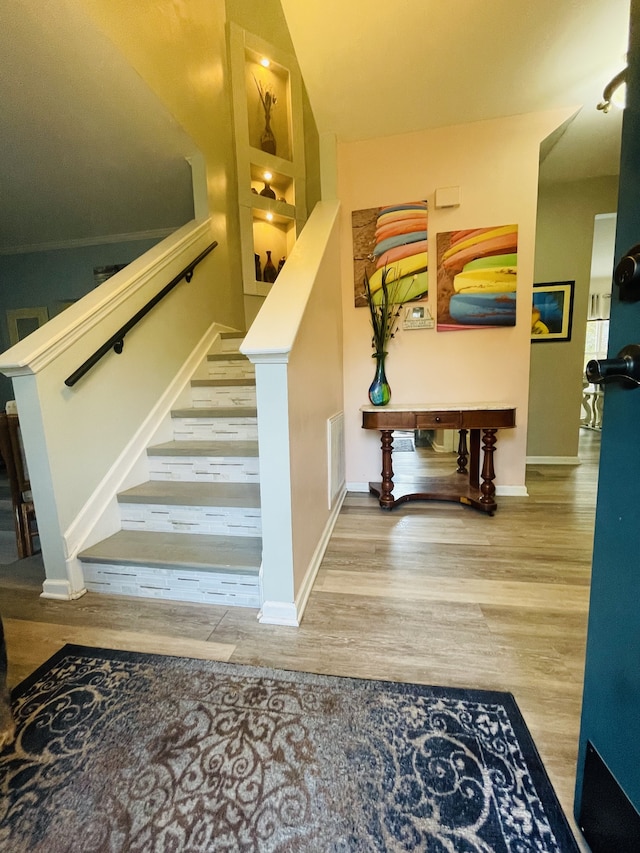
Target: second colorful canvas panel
<point>477,278</point>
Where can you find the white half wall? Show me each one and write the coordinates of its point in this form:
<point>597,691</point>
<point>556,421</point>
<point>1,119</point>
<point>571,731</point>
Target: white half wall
<point>296,345</point>
<point>75,437</point>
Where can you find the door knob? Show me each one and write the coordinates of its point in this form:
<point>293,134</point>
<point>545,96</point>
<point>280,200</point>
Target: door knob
<point>625,368</point>
<point>627,275</point>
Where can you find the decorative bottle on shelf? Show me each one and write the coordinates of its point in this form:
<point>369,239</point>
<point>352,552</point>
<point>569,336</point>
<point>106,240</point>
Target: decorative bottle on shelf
<point>267,192</point>
<point>268,140</point>
<point>256,259</point>
<point>281,263</point>
<point>270,273</point>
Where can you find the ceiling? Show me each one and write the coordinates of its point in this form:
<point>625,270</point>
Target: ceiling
<point>374,69</point>
<point>86,149</point>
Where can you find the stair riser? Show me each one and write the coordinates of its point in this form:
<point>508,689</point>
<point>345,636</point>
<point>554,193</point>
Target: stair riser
<point>209,576</point>
<point>230,344</point>
<point>204,469</point>
<point>219,521</point>
<point>230,370</point>
<point>232,395</point>
<point>215,429</point>
<point>173,584</point>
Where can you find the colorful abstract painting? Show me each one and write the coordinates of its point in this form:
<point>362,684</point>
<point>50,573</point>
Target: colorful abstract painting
<point>392,238</point>
<point>477,278</point>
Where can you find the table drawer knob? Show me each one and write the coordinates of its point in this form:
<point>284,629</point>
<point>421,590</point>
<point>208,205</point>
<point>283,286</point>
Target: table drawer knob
<point>437,419</point>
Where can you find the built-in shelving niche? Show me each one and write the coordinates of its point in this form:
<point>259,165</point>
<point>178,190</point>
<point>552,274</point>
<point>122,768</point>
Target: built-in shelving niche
<point>266,224</point>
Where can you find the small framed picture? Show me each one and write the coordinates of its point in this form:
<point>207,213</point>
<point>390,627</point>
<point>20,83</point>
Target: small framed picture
<point>22,321</point>
<point>552,311</point>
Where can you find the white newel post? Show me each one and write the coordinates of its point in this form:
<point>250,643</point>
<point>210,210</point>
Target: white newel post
<point>277,574</point>
<point>64,578</point>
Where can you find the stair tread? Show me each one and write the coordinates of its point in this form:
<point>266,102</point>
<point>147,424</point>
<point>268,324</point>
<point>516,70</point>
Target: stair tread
<point>181,493</point>
<point>216,412</point>
<point>178,550</point>
<point>222,383</point>
<point>226,356</point>
<point>230,448</point>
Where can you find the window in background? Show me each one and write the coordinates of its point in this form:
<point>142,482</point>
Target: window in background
<point>597,340</point>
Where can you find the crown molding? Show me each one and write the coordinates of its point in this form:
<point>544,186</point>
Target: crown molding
<point>81,242</point>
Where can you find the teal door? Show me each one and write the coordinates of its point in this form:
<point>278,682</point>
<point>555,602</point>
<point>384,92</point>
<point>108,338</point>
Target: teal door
<point>611,702</point>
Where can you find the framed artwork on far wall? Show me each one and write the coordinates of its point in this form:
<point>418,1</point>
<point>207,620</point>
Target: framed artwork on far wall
<point>22,321</point>
<point>552,311</point>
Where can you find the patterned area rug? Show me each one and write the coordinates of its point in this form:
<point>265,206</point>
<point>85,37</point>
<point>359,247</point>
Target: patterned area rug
<point>120,751</point>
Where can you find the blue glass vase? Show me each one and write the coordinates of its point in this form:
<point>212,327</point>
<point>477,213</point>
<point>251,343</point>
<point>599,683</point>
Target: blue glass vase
<point>379,390</point>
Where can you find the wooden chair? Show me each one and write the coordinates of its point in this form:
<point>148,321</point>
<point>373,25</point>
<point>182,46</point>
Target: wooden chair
<point>24,515</point>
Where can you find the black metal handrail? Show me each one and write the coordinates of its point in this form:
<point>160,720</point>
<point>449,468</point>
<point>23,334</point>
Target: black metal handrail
<point>116,341</point>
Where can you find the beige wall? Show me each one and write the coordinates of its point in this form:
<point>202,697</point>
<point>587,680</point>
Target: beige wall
<point>267,20</point>
<point>566,213</point>
<point>496,165</point>
<point>179,49</point>
<point>316,394</point>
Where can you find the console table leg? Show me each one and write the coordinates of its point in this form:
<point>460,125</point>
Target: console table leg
<point>463,454</point>
<point>386,492</point>
<point>488,473</point>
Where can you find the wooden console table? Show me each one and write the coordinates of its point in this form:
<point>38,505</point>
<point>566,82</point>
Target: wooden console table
<point>468,485</point>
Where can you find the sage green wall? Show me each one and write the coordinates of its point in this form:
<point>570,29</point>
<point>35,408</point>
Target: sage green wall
<point>48,279</point>
<point>564,238</point>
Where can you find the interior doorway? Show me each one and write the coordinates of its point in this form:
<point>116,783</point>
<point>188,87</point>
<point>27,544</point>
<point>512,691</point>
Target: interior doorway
<point>598,310</point>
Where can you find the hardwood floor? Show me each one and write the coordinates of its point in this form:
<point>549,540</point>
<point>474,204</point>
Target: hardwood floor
<point>432,592</point>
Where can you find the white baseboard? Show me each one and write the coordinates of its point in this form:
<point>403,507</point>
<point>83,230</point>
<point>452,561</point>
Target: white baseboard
<point>60,590</point>
<point>287,613</point>
<point>441,448</point>
<point>279,613</point>
<point>310,576</point>
<point>553,460</point>
<point>357,487</point>
<point>512,491</point>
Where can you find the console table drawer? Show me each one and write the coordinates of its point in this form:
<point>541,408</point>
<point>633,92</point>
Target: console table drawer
<point>494,420</point>
<point>438,420</point>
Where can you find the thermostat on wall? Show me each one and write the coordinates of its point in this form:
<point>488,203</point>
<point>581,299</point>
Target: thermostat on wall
<point>417,317</point>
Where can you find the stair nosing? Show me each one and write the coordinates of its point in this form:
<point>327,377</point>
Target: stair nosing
<point>227,356</point>
<point>223,383</point>
<point>103,552</point>
<point>213,449</point>
<point>215,412</point>
<point>188,493</point>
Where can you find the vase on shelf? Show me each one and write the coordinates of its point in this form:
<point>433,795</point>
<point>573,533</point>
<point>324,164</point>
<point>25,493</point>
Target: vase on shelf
<point>256,260</point>
<point>267,192</point>
<point>379,390</point>
<point>270,273</point>
<point>268,140</point>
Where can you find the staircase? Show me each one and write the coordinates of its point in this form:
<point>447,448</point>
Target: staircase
<point>193,531</point>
